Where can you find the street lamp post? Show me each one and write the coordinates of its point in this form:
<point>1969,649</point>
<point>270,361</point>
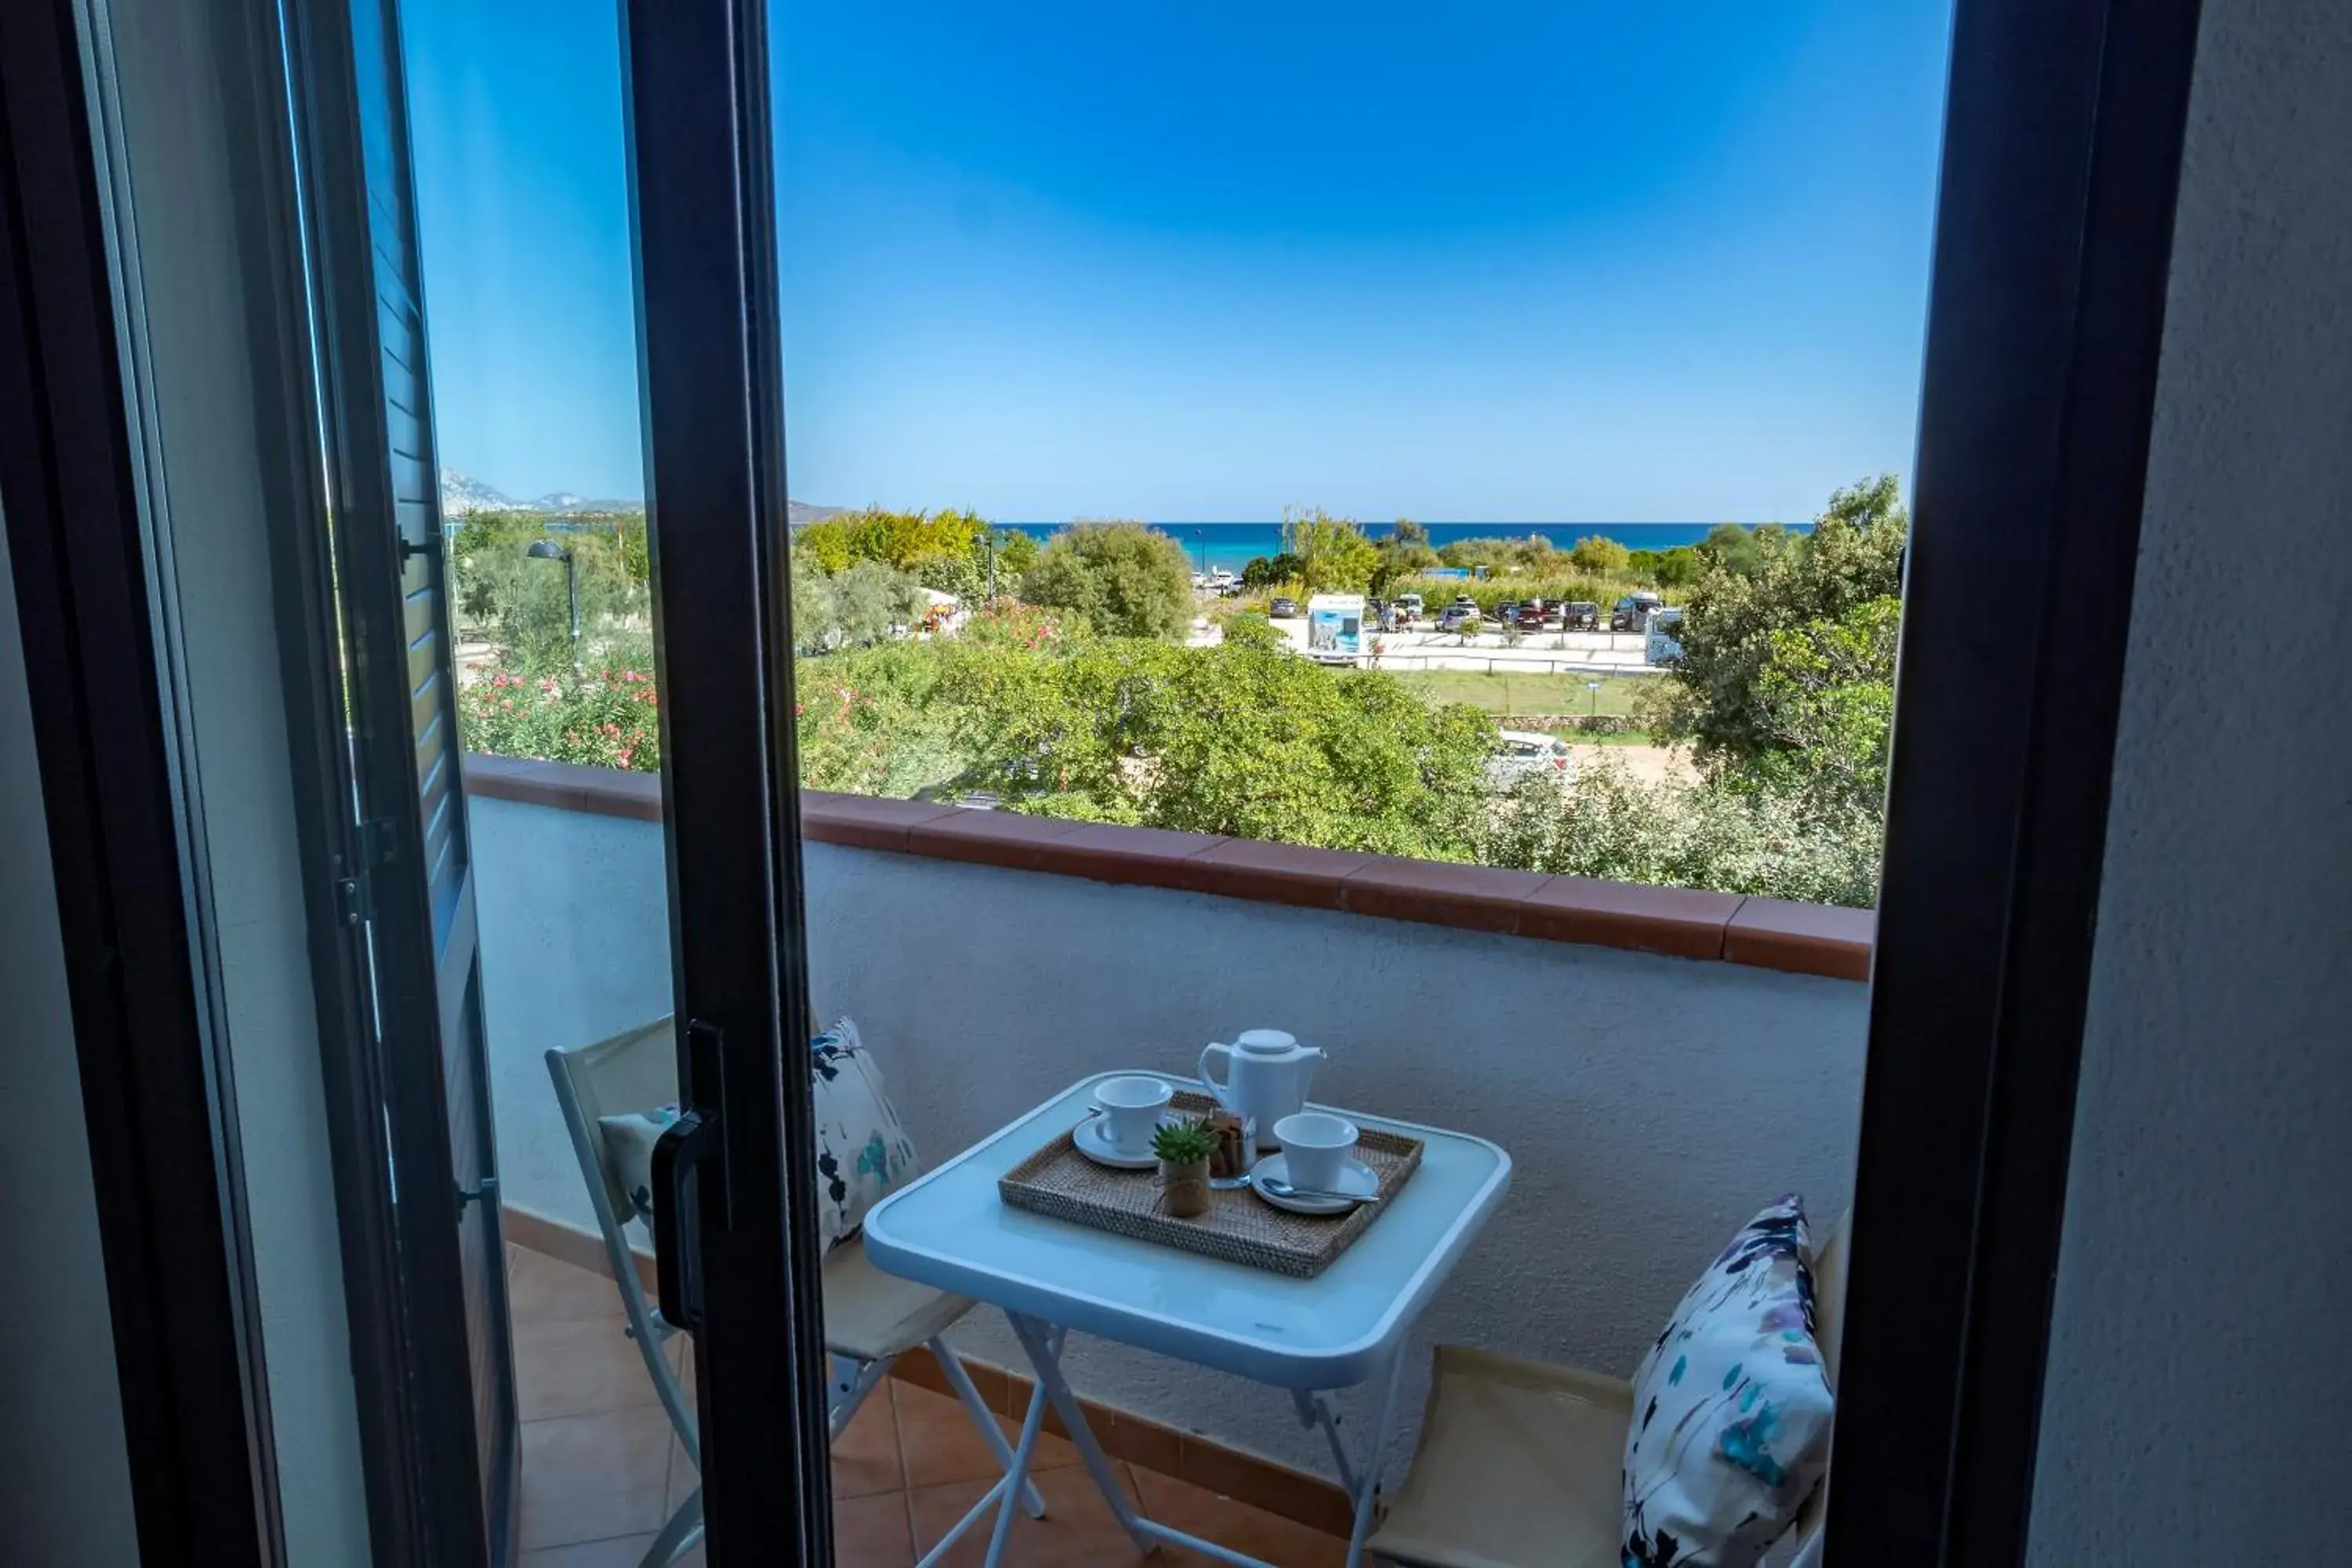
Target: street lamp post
<point>548,550</point>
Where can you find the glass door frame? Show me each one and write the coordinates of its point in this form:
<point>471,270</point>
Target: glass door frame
<point>112,740</point>
<point>743,1271</point>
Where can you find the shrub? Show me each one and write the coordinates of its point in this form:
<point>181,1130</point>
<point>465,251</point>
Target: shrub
<point>1332,553</point>
<point>1770,843</point>
<point>522,603</point>
<point>1126,580</point>
<point>1787,674</point>
<point>609,719</point>
<point>853,607</point>
<point>1271,571</point>
<point>906,540</point>
<point>1599,555</point>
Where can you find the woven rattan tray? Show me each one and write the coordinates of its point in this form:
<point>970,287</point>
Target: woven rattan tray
<point>1239,1228</point>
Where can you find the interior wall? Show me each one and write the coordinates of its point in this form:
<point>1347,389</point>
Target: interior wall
<point>1651,1105</point>
<point>2198,1375</point>
<point>181,81</point>
<point>65,1474</point>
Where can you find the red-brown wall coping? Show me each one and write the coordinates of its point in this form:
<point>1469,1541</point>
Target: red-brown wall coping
<point>1767,933</point>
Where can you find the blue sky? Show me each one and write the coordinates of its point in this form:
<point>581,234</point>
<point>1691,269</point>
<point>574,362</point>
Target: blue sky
<point>1528,262</point>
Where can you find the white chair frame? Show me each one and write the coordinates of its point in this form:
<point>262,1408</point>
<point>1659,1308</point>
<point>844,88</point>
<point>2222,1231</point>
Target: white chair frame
<point>852,1378</point>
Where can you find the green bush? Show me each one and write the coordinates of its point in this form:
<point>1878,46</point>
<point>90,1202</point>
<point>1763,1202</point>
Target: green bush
<point>1333,554</point>
<point>609,719</point>
<point>855,606</point>
<point>1787,672</point>
<point>1599,555</point>
<point>522,604</point>
<point>1126,580</point>
<point>1767,842</point>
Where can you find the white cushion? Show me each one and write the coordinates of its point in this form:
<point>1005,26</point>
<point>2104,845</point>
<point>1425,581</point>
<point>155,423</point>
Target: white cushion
<point>863,1151</point>
<point>1731,1412</point>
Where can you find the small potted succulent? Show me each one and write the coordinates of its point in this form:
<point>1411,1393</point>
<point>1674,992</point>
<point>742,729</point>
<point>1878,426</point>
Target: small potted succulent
<point>1184,1148</point>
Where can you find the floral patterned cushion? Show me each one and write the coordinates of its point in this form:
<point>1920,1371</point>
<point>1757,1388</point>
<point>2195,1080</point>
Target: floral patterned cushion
<point>863,1151</point>
<point>1731,1411</point>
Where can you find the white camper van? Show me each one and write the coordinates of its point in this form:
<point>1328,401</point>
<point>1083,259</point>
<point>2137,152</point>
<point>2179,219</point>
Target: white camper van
<point>1335,628</point>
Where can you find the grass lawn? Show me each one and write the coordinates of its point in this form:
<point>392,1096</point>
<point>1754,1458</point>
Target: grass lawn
<point>1545,693</point>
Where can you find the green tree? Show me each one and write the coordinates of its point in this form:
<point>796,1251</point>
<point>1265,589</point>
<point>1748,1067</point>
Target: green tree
<point>1126,580</point>
<point>1678,567</point>
<point>1240,739</point>
<point>1787,673</point>
<point>905,539</point>
<point>1599,555</point>
<point>522,603</point>
<point>1404,551</point>
<point>1014,552</point>
<point>855,607</point>
<point>1333,554</point>
<point>1744,550</point>
<point>1271,571</point>
<point>1771,843</point>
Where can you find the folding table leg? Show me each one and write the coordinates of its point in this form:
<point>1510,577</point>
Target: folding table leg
<point>952,1366</point>
<point>1044,1345</point>
<point>1367,1479</point>
<point>1009,1487</point>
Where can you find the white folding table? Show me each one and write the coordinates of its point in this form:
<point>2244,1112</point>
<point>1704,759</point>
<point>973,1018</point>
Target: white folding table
<point>1346,1326</point>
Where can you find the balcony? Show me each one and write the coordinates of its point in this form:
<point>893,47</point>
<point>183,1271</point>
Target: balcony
<point>1659,1063</point>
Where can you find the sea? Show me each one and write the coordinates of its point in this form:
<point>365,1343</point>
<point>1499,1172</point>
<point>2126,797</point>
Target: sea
<point>1233,545</point>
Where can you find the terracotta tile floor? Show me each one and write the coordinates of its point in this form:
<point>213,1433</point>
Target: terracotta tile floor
<point>601,1471</point>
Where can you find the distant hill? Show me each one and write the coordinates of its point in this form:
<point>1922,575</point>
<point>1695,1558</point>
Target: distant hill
<point>462,495</point>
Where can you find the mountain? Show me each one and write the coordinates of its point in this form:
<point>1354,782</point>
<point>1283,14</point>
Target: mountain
<point>461,495</point>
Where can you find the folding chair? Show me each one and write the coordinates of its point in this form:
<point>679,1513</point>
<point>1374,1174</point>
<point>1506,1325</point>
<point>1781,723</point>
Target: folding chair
<point>870,1318</point>
<point>1521,1463</point>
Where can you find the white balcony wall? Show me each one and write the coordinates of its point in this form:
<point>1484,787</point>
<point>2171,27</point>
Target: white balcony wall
<point>1650,1104</point>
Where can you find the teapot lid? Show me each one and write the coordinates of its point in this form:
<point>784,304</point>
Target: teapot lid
<point>1265,1042</point>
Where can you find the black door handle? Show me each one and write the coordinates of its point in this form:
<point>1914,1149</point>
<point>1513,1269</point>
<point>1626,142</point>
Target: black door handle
<point>687,1144</point>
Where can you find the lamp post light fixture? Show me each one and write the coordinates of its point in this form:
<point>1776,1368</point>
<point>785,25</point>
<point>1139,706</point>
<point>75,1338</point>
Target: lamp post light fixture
<point>1594,688</point>
<point>548,550</point>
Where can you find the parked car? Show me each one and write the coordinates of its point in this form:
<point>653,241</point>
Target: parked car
<point>1284,609</point>
<point>1530,754</point>
<point>1664,643</point>
<point>1409,607</point>
<point>1459,618</point>
<point>1633,611</point>
<point>1580,615</point>
<point>1534,614</point>
<point>1507,612</point>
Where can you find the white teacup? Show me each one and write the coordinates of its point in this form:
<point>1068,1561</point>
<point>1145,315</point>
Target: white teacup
<point>1316,1147</point>
<point>1131,1109</point>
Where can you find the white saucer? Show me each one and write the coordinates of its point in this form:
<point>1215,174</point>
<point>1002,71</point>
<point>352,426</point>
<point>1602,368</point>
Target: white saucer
<point>1092,1139</point>
<point>1355,1176</point>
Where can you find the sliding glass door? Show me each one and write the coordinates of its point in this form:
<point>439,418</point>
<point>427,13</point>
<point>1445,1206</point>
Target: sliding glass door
<point>527,1019</point>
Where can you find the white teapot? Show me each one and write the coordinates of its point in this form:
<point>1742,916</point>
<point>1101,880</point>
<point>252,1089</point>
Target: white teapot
<point>1265,1076</point>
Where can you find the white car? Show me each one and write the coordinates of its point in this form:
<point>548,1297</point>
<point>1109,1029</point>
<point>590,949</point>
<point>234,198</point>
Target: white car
<point>1530,754</point>
<point>1664,643</point>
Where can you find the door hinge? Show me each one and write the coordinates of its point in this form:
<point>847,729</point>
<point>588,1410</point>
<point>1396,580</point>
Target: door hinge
<point>355,892</point>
